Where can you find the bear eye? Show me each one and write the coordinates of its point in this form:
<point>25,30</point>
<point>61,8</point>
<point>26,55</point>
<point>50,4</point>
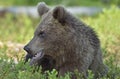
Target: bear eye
<point>42,34</point>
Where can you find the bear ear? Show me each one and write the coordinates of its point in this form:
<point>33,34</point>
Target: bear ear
<point>42,8</point>
<point>59,13</point>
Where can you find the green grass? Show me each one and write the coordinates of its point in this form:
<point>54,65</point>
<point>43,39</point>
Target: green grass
<point>16,31</point>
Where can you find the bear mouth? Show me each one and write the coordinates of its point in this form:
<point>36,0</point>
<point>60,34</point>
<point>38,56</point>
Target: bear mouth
<point>34,58</point>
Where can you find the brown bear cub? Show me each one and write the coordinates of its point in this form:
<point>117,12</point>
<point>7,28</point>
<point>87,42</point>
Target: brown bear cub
<point>65,43</point>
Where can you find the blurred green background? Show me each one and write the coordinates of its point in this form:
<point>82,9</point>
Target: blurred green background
<point>64,2</point>
<point>17,30</point>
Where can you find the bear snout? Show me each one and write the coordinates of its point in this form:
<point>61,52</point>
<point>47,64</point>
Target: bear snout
<point>27,49</point>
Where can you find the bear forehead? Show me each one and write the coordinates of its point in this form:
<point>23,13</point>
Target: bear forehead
<point>48,17</point>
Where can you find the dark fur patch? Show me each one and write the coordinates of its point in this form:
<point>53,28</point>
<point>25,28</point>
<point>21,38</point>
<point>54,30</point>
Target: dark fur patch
<point>47,63</point>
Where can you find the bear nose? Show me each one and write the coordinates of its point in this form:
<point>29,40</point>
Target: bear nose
<point>27,49</point>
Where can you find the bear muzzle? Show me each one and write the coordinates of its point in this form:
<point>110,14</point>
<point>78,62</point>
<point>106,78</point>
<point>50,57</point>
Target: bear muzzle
<point>33,57</point>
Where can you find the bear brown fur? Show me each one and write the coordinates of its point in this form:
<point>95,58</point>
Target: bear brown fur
<point>70,42</point>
